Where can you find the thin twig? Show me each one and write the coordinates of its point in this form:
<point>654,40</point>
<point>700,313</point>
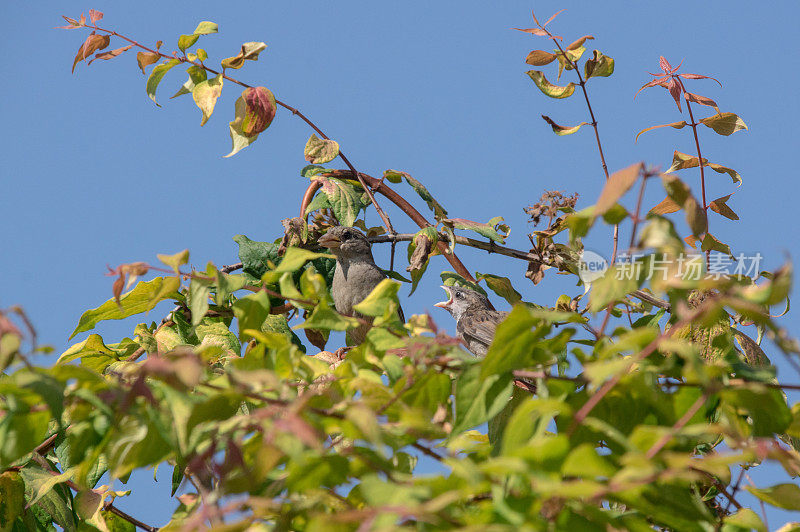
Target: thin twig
<point>199,64</point>
<point>677,426</point>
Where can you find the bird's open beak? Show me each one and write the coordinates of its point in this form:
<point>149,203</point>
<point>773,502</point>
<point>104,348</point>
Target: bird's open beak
<point>445,304</point>
<point>329,241</point>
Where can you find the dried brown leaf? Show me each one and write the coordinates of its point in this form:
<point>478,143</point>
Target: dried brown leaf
<point>540,58</point>
<point>720,206</point>
<point>110,55</point>
<point>146,58</point>
<point>676,125</point>
<point>617,184</point>
<point>95,15</point>
<point>92,43</point>
<point>579,42</point>
<point>666,206</point>
<point>702,100</point>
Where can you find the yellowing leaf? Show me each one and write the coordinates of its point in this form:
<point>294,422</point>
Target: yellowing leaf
<point>249,52</point>
<point>320,151</point>
<point>578,43</point>
<point>175,261</point>
<point>600,66</point>
<point>724,123</point>
<point>554,91</point>
<point>142,298</point>
<point>617,184</point>
<point>205,95</point>
<point>563,130</point>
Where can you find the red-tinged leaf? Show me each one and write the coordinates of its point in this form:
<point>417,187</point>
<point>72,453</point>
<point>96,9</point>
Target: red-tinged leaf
<point>674,89</point>
<point>724,123</point>
<point>260,110</point>
<point>720,206</point>
<point>617,184</point>
<point>73,24</point>
<point>702,100</point>
<point>698,76</point>
<point>692,241</point>
<point>666,206</point>
<point>130,271</point>
<point>554,91</point>
<point>540,58</point>
<point>95,15</point>
<point>92,43</point>
<point>676,125</point>
<point>110,55</point>
<point>579,42</point>
<point>146,58</point>
<point>664,64</point>
<point>533,31</point>
<point>563,130</point>
<point>710,243</point>
<point>82,20</point>
<point>551,18</point>
<point>659,81</point>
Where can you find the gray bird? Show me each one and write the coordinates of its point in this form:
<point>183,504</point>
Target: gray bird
<point>476,319</point>
<point>355,276</point>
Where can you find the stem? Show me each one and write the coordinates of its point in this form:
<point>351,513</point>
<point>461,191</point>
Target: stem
<point>677,427</point>
<point>582,83</point>
<point>636,218</point>
<point>699,159</point>
<point>384,218</point>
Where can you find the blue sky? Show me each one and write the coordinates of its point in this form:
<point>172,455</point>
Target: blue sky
<point>94,173</point>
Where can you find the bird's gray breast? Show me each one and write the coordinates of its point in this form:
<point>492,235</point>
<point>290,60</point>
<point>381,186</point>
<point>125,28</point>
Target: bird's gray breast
<point>352,283</point>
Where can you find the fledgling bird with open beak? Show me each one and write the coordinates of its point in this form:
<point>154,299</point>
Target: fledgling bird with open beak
<point>476,319</point>
<point>355,276</point>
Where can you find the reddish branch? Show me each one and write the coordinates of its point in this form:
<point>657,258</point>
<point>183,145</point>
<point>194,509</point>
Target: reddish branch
<point>199,64</point>
<point>397,199</point>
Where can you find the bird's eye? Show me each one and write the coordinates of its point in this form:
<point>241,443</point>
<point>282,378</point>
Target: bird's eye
<point>345,236</point>
<point>459,295</point>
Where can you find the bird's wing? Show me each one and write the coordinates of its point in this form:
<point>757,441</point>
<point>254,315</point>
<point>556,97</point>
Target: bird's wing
<point>480,326</point>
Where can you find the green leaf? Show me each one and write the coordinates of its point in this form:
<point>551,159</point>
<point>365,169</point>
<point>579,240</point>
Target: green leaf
<point>438,211</point>
<point>563,130</point>
<point>724,123</point>
<point>479,399</point>
<point>324,317</point>
<point>256,256</point>
<point>205,27</point>
<point>553,91</point>
<point>710,243</point>
<point>144,296</point>
<point>251,312</point>
<point>196,75</point>
<point>454,279</point>
<point>500,286</point>
<point>598,66</point>
<point>20,432</point>
<point>249,52</point>
<point>382,297</point>
<point>205,95</point>
<point>493,229</point>
<point>295,258</point>
<point>186,41</point>
<point>320,151</point>
<point>618,281</point>
<point>44,492</point>
<point>156,76</point>
<point>197,299</point>
<point>514,344</point>
<point>786,496</point>
<point>343,199</point>
<point>12,498</point>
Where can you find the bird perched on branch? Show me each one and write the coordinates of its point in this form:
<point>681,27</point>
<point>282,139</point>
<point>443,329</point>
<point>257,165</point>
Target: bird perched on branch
<point>476,319</point>
<point>355,276</point>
